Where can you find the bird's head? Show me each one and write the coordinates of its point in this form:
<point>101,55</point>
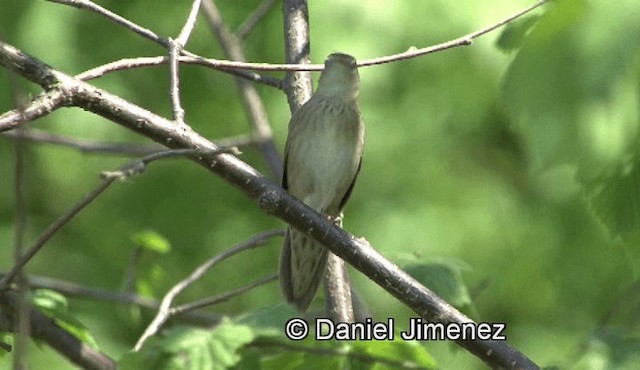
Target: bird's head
<point>339,77</point>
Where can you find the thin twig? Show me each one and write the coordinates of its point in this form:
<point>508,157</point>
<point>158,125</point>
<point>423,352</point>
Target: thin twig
<point>45,329</point>
<point>174,82</point>
<point>254,18</point>
<point>89,5</point>
<point>108,177</point>
<point>51,230</point>
<point>189,24</point>
<point>139,166</point>
<point>85,146</point>
<point>234,67</point>
<point>220,297</point>
<point>165,306</point>
<point>252,102</point>
<point>148,34</point>
<point>219,65</point>
<point>131,272</point>
<point>79,291</point>
<point>175,48</point>
<point>21,323</point>
<point>460,41</point>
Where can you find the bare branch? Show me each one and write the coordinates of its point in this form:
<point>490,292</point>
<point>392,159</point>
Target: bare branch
<point>75,290</point>
<point>89,5</point>
<point>85,146</point>
<point>39,107</point>
<point>460,41</point>
<point>175,48</point>
<point>148,34</point>
<point>295,57</point>
<point>221,297</point>
<point>189,25</point>
<point>254,18</point>
<point>45,329</point>
<point>21,323</point>
<point>50,231</point>
<point>219,65</point>
<point>139,166</point>
<point>165,306</point>
<point>174,82</point>
<point>337,290</point>
<point>252,103</point>
<point>298,85</point>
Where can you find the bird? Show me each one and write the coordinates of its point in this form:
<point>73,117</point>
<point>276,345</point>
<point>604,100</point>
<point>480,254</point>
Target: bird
<point>323,155</point>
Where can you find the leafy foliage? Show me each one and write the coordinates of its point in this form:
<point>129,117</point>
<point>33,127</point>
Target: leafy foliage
<point>55,306</point>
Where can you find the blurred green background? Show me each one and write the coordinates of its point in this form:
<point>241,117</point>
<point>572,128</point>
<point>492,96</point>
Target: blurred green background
<point>515,158</point>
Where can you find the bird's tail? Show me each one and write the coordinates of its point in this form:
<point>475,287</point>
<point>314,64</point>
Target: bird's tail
<point>302,265</point>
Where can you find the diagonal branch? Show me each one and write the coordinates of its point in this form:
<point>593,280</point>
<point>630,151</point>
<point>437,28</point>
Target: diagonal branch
<point>465,40</point>
<point>148,34</point>
<point>45,329</point>
<point>252,21</point>
<point>251,100</point>
<point>270,198</point>
<point>164,312</point>
<point>85,146</point>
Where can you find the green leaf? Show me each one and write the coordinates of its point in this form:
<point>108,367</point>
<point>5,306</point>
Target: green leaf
<point>309,354</point>
<point>191,348</point>
<point>150,278</point>
<point>55,306</point>
<point>513,33</point>
<point>391,354</point>
<point>616,202</point>
<point>151,241</point>
<point>7,340</point>
<point>268,321</point>
<point>49,301</point>
<point>443,276</point>
<point>611,349</point>
<point>572,88</point>
<point>274,351</point>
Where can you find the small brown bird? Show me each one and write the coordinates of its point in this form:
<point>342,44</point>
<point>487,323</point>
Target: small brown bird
<point>322,159</point>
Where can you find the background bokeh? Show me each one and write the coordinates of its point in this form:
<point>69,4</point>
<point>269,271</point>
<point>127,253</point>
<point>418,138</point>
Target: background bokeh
<point>514,159</point>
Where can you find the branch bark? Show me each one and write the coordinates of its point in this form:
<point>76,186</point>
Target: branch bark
<point>256,113</point>
<point>45,329</point>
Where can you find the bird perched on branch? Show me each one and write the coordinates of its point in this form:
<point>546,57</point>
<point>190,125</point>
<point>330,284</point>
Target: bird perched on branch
<point>322,160</point>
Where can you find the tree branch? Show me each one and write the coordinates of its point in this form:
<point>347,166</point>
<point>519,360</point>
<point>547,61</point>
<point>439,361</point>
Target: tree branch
<point>252,21</point>
<point>79,291</point>
<point>50,231</point>
<point>298,85</point>
<point>164,312</point>
<point>252,103</point>
<point>85,146</point>
<point>45,329</point>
